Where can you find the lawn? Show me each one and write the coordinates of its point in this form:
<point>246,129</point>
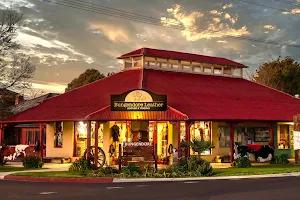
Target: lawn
<point>11,169</point>
<point>255,170</point>
<point>59,174</point>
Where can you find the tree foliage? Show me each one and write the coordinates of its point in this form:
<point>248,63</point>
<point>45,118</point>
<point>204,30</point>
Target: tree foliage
<point>280,74</point>
<point>15,68</point>
<point>198,145</point>
<point>89,76</point>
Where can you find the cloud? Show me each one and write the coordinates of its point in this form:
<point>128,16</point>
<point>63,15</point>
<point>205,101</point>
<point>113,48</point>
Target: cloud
<point>48,86</point>
<point>222,41</point>
<point>15,4</point>
<point>191,30</point>
<point>270,27</point>
<point>292,12</point>
<point>216,19</point>
<point>231,19</point>
<point>215,12</point>
<point>180,17</point>
<point>111,31</point>
<point>32,45</point>
<point>227,6</point>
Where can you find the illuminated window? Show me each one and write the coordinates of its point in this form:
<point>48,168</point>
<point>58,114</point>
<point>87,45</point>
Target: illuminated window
<point>201,130</point>
<point>285,136</point>
<point>58,135</point>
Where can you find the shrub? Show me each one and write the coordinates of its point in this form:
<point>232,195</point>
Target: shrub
<point>109,170</point>
<point>80,165</point>
<point>33,162</point>
<point>131,169</point>
<point>196,166</point>
<point>282,159</point>
<point>242,162</point>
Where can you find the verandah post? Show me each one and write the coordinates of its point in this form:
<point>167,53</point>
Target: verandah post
<point>179,142</point>
<point>41,140</point>
<point>88,151</point>
<point>1,134</point>
<point>231,141</point>
<point>97,125</point>
<point>271,142</point>
<point>188,125</point>
<point>155,144</point>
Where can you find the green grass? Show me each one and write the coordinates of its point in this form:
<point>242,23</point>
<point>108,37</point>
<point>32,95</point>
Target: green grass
<point>60,174</point>
<point>257,170</point>
<point>11,169</point>
<point>254,170</point>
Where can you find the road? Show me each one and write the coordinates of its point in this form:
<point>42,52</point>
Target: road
<point>245,189</point>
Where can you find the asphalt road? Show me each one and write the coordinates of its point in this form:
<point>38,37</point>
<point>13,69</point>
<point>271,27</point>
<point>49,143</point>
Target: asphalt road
<point>252,189</point>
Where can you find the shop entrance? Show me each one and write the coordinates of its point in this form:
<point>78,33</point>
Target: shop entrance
<point>141,141</point>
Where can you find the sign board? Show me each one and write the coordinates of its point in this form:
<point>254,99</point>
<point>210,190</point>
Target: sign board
<point>296,140</point>
<point>138,100</point>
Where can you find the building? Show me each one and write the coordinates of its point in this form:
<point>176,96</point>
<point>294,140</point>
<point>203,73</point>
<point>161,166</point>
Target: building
<point>159,99</point>
<point>24,134</point>
<point>8,98</point>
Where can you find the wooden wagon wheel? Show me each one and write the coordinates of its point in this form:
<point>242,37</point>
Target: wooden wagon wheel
<point>101,156</point>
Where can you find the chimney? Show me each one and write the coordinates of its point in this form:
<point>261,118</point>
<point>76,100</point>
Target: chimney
<point>297,96</point>
<point>19,99</point>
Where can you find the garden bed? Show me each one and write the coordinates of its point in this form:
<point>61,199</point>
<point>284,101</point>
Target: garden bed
<point>232,171</point>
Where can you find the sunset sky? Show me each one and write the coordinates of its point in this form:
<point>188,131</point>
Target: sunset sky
<point>63,41</point>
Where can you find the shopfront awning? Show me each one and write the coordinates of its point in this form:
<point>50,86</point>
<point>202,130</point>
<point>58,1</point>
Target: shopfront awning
<point>106,114</point>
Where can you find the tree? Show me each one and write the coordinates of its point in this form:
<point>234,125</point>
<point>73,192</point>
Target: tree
<point>197,145</point>
<point>89,76</point>
<point>280,74</point>
<point>15,68</point>
<point>110,73</point>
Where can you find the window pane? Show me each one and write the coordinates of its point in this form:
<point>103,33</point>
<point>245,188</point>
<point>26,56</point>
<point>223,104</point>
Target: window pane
<point>224,136</point>
<point>29,137</point>
<point>283,140</point>
<point>37,136</point>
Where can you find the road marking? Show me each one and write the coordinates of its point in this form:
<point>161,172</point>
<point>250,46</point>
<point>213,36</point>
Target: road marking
<point>114,188</point>
<point>141,185</point>
<point>191,182</point>
<point>45,193</point>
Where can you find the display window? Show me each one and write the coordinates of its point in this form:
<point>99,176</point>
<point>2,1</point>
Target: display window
<point>201,130</point>
<point>285,136</point>
<point>244,135</point>
<point>224,136</point>
<point>81,136</point>
<point>162,140</point>
<point>58,136</point>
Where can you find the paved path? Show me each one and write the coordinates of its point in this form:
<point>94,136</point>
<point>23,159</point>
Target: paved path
<point>49,167</point>
<point>246,189</point>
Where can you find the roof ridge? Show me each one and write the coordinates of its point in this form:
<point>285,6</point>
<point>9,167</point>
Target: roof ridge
<point>145,48</point>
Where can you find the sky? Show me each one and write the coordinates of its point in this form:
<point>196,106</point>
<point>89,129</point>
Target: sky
<point>63,41</point>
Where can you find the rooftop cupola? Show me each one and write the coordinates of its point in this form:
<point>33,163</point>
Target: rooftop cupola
<point>182,62</point>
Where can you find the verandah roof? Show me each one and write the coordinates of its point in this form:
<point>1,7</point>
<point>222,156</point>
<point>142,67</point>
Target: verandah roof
<point>190,96</point>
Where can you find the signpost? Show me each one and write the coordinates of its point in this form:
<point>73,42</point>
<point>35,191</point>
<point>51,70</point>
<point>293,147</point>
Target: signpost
<point>297,138</point>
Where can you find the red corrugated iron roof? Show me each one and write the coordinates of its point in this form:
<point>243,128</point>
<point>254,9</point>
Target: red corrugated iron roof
<point>198,97</point>
<point>181,56</point>
<point>170,115</point>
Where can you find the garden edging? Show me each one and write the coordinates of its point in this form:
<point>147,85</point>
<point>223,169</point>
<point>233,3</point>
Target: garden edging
<point>138,180</point>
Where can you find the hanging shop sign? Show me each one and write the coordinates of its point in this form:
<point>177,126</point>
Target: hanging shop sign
<point>138,100</point>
